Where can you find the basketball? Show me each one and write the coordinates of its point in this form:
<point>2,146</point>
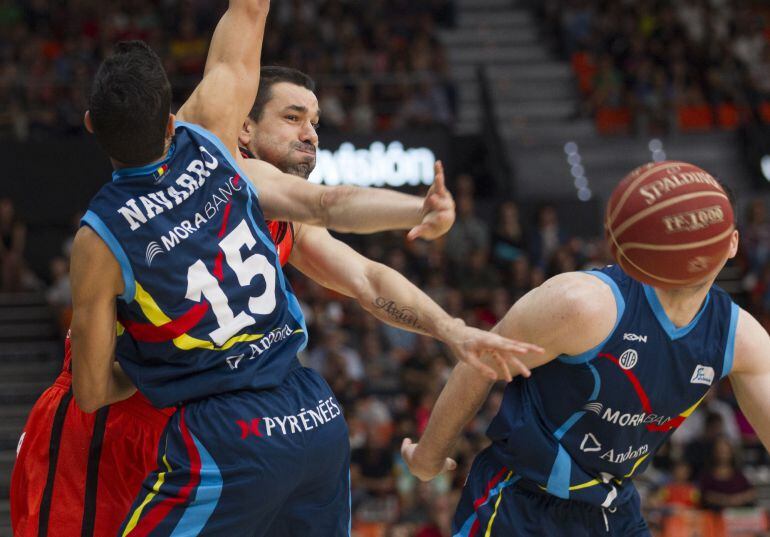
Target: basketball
<point>669,224</point>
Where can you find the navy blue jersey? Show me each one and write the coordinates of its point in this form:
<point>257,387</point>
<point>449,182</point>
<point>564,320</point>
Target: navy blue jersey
<point>206,308</point>
<point>582,426</point>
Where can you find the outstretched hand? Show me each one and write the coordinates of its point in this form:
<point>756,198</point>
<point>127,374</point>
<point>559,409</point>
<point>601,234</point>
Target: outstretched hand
<point>420,468</point>
<point>438,209</point>
<point>470,345</point>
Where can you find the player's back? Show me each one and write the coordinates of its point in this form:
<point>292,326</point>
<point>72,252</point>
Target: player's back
<point>206,308</point>
<point>581,426</point>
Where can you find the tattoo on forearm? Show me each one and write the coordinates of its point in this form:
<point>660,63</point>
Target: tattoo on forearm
<point>399,314</point>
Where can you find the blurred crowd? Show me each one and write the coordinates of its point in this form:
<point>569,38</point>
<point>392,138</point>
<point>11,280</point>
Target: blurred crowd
<point>657,66</point>
<point>381,58</point>
<point>388,380</point>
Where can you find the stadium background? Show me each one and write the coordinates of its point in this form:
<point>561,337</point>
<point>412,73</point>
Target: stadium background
<point>537,107</point>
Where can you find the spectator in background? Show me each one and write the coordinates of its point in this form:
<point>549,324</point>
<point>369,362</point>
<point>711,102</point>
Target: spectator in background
<point>694,427</point>
<point>547,237</point>
<point>13,238</point>
<point>469,232</point>
<point>723,485</point>
<point>698,451</point>
<point>508,237</point>
<point>680,493</point>
<point>59,293</point>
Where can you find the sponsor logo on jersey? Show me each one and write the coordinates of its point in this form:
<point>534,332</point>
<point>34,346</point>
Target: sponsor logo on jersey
<point>632,420</point>
<point>594,406</point>
<point>628,336</point>
<point>234,361</point>
<point>139,211</point>
<point>262,345</point>
<point>628,359</point>
<point>619,457</point>
<point>153,249</point>
<point>305,420</point>
<point>703,374</point>
<point>186,228</point>
<point>590,443</point>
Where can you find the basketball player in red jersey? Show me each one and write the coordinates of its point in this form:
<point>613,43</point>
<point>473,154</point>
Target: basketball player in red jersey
<point>77,473</point>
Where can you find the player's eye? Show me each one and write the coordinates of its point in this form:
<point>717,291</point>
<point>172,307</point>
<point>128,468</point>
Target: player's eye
<point>316,125</point>
<point>292,117</point>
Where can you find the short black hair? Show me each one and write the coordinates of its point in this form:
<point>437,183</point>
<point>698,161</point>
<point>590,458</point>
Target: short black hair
<point>129,104</point>
<point>271,75</point>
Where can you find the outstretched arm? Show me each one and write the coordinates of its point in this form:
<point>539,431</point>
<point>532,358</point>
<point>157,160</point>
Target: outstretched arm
<point>750,376</point>
<point>350,209</point>
<point>390,297</point>
<point>230,81</point>
<point>97,380</point>
<point>566,315</point>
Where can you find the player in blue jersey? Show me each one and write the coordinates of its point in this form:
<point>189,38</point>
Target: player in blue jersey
<point>624,365</point>
<point>176,251</point>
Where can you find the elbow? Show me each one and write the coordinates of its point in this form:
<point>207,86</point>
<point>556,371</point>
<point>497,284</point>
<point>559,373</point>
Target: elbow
<point>88,404</point>
<point>87,400</point>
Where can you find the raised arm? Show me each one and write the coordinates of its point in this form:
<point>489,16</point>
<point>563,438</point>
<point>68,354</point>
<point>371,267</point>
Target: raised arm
<point>390,297</point>
<point>350,209</point>
<point>750,376</point>
<point>95,275</point>
<point>230,81</point>
<point>565,315</point>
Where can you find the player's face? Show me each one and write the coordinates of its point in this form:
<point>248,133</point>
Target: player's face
<point>285,135</point>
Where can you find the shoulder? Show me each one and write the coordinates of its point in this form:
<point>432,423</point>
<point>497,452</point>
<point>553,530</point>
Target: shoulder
<point>578,294</point>
<point>752,345</point>
<point>93,262</point>
<point>568,314</point>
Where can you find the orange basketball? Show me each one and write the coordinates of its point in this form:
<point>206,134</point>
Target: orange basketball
<point>669,224</point>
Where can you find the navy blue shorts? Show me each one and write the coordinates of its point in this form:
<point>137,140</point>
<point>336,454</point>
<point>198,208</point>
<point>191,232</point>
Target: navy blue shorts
<point>273,462</point>
<point>495,501</point>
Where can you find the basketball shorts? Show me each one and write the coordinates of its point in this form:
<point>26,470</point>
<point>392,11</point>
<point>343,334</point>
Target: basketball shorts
<point>254,463</point>
<point>496,501</point>
<point>77,473</point>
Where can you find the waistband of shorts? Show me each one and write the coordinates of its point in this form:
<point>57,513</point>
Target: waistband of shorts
<point>137,405</point>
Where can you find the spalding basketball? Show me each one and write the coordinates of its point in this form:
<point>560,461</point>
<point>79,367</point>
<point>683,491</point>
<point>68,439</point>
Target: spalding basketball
<point>669,224</point>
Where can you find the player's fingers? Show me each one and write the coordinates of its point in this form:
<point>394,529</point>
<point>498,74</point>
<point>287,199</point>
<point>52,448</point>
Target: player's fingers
<point>405,445</point>
<point>438,180</point>
<point>416,232</point>
<point>503,363</point>
<point>514,345</point>
<point>482,368</point>
<point>449,465</point>
<point>519,365</point>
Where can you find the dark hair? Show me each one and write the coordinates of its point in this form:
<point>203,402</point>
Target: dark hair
<point>129,104</point>
<point>271,75</point>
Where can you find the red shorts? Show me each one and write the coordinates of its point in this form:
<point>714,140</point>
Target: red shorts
<point>77,473</point>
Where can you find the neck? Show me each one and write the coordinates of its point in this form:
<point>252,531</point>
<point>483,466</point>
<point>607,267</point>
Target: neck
<point>683,304</point>
<point>117,165</point>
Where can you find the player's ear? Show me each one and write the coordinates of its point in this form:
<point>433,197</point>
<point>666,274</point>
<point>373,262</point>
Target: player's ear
<point>734,239</point>
<point>244,137</point>
<point>87,122</point>
<point>170,126</point>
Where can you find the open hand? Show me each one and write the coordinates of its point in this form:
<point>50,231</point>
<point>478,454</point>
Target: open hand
<point>420,468</point>
<point>438,209</point>
<point>469,345</point>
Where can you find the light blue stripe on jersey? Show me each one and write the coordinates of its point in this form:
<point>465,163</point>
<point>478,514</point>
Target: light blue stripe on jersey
<point>727,364</point>
<point>92,220</point>
<point>563,463</point>
<point>620,305</point>
<point>292,301</point>
<point>660,314</point>
<point>207,495</point>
